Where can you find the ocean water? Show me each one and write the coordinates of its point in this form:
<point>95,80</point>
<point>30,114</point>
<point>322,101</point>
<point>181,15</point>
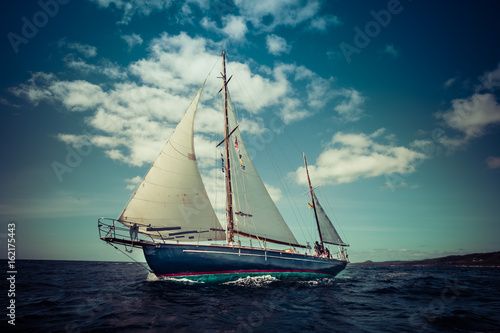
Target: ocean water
<point>76,296</point>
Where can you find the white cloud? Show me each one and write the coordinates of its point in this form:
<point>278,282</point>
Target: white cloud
<point>322,23</point>
<point>147,7</point>
<point>449,82</point>
<point>105,67</point>
<point>176,61</point>
<point>132,40</point>
<point>34,90</point>
<point>234,27</point>
<point>134,7</point>
<point>490,80</point>
<point>320,92</point>
<point>333,55</point>
<point>115,154</point>
<point>266,15</point>
<point>179,60</point>
<point>472,117</point>
<point>88,51</point>
<point>277,45</point>
<point>427,147</point>
<point>76,95</point>
<point>350,109</point>
<point>493,162</point>
<point>391,51</point>
<point>131,120</point>
<point>350,157</point>
<point>274,192</point>
<point>208,24</point>
<point>132,183</point>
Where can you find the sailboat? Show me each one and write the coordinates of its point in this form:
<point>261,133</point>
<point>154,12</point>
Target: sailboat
<point>172,219</point>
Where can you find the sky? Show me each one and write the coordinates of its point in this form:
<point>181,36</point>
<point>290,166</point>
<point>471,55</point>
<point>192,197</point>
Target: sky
<point>395,103</point>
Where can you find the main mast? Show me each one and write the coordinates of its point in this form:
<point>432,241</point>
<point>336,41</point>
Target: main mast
<point>313,201</point>
<point>230,222</point>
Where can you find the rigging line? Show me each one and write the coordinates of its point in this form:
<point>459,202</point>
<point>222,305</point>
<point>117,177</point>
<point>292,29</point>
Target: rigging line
<point>131,258</point>
<point>293,141</point>
<point>216,182</point>
<point>299,211</point>
<point>244,87</point>
<point>279,174</point>
<point>216,61</point>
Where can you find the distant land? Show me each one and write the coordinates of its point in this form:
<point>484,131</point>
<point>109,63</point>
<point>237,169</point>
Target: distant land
<point>491,259</point>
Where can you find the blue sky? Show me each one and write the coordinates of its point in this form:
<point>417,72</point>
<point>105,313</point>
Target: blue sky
<point>395,103</point>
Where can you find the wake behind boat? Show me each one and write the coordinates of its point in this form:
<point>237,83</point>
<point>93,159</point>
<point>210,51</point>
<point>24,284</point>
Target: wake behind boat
<point>172,219</point>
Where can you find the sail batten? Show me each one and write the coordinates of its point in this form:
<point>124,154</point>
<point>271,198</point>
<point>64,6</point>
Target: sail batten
<point>172,195</point>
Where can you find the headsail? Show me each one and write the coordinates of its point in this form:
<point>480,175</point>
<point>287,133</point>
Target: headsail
<point>172,201</point>
<point>255,214</point>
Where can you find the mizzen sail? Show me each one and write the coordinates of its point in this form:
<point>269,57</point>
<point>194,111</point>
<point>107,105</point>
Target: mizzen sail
<point>171,202</point>
<point>327,230</point>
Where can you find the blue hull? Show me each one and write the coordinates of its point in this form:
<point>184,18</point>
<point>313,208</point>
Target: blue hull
<point>225,263</point>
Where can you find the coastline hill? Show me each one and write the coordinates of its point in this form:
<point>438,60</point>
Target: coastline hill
<point>491,259</point>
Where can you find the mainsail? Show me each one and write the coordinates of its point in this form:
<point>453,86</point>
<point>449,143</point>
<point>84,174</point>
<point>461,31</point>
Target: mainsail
<point>171,202</point>
<point>255,214</point>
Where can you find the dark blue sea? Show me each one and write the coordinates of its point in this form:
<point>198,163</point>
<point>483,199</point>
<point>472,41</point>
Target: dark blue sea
<point>77,296</point>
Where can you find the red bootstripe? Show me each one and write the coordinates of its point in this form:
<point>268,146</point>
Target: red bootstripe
<point>246,271</point>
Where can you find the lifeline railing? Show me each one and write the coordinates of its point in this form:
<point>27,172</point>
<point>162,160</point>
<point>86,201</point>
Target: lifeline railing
<point>121,234</point>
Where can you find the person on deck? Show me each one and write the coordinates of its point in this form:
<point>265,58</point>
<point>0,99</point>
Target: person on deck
<point>317,249</point>
<point>327,254</point>
<point>134,232</point>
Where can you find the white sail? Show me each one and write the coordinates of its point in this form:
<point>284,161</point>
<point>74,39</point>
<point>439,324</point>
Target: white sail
<point>255,214</point>
<point>328,232</point>
<point>171,202</point>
